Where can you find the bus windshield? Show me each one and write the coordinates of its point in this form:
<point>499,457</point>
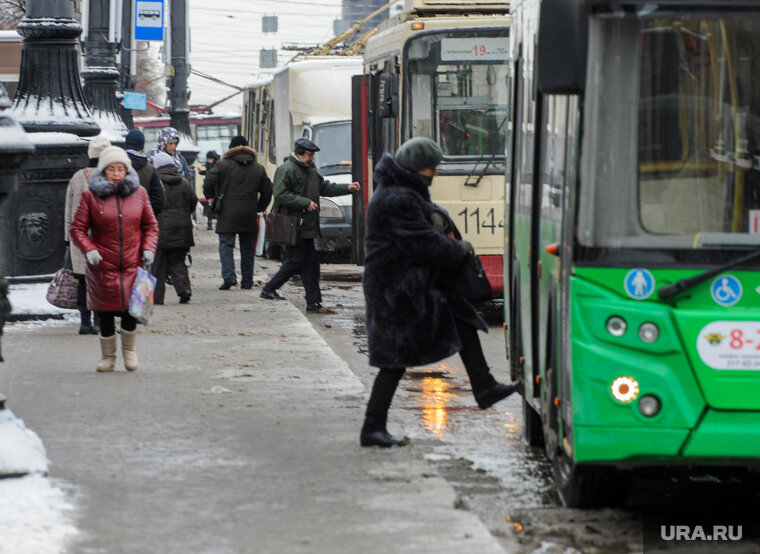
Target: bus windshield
<point>334,141</point>
<point>456,94</point>
<point>671,158</point>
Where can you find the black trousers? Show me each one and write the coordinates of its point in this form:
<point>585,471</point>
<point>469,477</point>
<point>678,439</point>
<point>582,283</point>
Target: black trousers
<point>387,380</point>
<point>81,292</point>
<point>108,323</point>
<point>304,260</point>
<point>171,261</point>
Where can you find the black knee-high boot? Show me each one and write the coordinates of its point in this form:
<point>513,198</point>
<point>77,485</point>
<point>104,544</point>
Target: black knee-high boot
<point>376,417</point>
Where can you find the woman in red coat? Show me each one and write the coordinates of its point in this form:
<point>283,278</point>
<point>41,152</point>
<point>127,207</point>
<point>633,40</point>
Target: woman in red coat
<point>115,227</point>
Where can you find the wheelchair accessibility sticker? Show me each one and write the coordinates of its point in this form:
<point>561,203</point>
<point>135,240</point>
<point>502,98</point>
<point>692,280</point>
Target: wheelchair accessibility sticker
<point>639,284</point>
<point>726,290</point>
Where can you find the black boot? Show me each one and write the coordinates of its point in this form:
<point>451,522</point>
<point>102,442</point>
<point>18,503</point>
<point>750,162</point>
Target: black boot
<point>494,394</point>
<point>381,438</point>
<point>96,322</point>
<point>373,431</point>
<point>85,327</point>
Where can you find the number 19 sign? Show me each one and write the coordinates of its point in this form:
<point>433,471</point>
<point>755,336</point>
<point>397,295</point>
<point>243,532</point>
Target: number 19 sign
<point>149,20</point>
<point>474,49</point>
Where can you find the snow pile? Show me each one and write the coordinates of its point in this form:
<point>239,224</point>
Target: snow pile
<point>21,450</point>
<point>35,517</point>
<point>29,298</point>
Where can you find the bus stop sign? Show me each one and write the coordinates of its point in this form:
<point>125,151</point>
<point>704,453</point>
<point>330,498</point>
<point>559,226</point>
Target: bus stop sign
<point>149,20</point>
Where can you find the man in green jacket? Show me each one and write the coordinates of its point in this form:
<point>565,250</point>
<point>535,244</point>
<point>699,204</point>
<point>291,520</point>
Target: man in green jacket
<point>297,188</point>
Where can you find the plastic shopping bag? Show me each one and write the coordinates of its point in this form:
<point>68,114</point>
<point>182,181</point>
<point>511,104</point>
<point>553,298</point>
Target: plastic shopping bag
<point>141,299</point>
<point>261,237</point>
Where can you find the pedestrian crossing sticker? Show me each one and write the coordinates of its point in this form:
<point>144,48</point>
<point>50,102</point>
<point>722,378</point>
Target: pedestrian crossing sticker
<point>639,284</point>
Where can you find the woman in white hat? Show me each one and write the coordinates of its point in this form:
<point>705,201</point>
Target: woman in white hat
<point>115,227</point>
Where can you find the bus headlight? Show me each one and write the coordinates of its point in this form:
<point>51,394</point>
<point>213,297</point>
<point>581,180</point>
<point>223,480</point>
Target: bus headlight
<point>649,332</point>
<point>649,405</point>
<point>329,209</point>
<point>625,389</point>
<point>616,326</point>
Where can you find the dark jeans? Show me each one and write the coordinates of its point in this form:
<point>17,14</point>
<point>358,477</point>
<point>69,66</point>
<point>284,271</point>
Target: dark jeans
<point>108,323</point>
<point>387,379</point>
<point>227,256</point>
<point>171,261</point>
<point>299,259</point>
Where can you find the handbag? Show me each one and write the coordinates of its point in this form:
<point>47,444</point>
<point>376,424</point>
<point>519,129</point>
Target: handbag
<point>63,290</point>
<point>468,279</point>
<point>283,229</point>
<point>141,298</point>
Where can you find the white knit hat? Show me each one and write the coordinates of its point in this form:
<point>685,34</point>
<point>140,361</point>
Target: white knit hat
<point>112,155</point>
<point>97,145</point>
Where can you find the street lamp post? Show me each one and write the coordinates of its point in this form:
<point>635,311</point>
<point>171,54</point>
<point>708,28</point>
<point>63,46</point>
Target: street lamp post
<point>179,110</point>
<point>51,106</point>
<point>101,76</point>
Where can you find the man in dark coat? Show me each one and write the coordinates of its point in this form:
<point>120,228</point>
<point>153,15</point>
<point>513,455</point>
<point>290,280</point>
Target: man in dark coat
<point>297,188</point>
<point>175,231</point>
<point>246,190</point>
<point>411,318</point>
<point>134,144</point>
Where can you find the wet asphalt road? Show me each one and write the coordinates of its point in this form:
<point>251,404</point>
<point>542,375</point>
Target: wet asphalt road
<point>508,484</point>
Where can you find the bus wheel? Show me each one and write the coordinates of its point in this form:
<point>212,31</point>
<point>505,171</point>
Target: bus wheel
<point>532,430</point>
<point>588,486</point>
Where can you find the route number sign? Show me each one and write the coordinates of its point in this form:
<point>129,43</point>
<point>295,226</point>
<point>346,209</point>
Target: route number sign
<point>474,49</point>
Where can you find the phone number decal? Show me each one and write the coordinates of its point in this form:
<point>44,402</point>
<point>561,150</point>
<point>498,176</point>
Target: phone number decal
<point>730,345</point>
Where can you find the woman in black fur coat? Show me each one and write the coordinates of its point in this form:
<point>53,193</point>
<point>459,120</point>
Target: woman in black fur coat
<point>411,320</point>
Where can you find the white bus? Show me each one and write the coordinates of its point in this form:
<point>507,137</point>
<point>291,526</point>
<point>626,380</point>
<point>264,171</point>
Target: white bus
<point>309,97</point>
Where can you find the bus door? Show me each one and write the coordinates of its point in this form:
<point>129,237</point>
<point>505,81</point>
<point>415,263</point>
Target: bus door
<point>359,162</point>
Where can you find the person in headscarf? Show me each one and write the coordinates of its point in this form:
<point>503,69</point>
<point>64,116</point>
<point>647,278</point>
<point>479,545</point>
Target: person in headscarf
<point>168,141</point>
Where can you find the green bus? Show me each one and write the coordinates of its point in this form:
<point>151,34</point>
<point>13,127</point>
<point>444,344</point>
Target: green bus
<point>632,236</point>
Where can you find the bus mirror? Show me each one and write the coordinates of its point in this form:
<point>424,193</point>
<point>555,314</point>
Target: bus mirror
<point>561,56</point>
<point>387,95</point>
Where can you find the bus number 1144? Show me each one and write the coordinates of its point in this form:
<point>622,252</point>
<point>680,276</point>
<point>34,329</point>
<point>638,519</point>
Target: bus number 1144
<point>478,223</point>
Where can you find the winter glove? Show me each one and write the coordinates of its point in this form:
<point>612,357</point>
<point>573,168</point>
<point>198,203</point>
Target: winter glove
<point>148,257</point>
<point>93,257</point>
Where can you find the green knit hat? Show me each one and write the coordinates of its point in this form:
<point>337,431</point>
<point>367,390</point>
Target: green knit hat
<point>419,153</point>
